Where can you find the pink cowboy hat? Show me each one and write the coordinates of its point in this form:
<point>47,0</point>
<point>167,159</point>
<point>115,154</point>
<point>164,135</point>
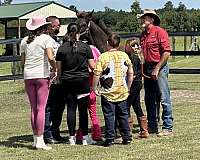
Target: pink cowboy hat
<point>36,22</point>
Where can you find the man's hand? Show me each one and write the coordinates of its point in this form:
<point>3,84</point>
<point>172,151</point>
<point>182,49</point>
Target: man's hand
<point>155,73</point>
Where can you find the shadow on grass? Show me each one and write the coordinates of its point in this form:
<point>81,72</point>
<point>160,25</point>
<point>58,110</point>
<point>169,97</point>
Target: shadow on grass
<point>22,141</point>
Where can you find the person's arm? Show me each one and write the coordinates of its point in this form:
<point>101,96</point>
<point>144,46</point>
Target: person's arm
<point>22,59</point>
<point>163,61</point>
<point>22,52</point>
<point>59,66</point>
<point>129,76</point>
<point>51,59</point>
<point>95,84</point>
<point>91,64</point>
<point>165,48</point>
<point>90,57</point>
<point>97,74</point>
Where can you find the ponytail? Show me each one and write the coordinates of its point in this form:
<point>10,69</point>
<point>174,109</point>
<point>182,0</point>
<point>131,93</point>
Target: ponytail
<point>31,37</point>
<point>73,39</point>
<point>72,31</point>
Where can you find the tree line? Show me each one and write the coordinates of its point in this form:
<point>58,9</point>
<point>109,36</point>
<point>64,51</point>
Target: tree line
<point>173,19</point>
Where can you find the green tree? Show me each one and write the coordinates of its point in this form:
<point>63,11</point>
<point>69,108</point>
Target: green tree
<point>181,17</point>
<point>135,7</point>
<point>73,8</point>
<point>132,19</point>
<point>169,6</point>
<point>167,15</point>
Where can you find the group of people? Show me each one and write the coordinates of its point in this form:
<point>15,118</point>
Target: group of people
<point>73,72</point>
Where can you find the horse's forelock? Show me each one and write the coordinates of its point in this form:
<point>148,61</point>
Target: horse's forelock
<point>81,14</point>
<point>97,31</point>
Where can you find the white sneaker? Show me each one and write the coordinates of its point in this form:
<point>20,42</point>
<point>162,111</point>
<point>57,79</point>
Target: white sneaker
<point>40,143</point>
<point>34,141</point>
<point>72,140</point>
<point>88,140</point>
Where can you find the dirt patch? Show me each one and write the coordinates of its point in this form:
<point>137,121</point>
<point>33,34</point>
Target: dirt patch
<point>185,95</point>
<point>182,96</point>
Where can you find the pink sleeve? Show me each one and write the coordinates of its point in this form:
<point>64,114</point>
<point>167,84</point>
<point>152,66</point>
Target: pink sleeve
<point>96,53</point>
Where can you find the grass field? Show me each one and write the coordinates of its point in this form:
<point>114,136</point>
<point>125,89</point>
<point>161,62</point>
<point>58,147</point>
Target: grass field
<point>16,135</point>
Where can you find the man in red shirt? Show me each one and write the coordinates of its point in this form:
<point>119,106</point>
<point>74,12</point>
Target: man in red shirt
<point>156,49</point>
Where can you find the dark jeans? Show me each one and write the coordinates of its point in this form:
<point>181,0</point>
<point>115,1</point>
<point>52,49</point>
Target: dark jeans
<point>112,111</point>
<point>54,111</point>
<point>152,88</point>
<point>134,99</point>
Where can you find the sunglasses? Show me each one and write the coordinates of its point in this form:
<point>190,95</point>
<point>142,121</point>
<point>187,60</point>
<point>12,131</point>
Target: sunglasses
<point>135,46</point>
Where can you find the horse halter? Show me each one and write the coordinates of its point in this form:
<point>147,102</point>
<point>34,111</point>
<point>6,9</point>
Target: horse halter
<point>87,30</point>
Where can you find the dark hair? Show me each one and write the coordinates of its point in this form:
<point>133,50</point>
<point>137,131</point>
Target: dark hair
<point>72,31</point>
<point>51,18</point>
<point>131,43</point>
<point>114,40</point>
<point>35,33</point>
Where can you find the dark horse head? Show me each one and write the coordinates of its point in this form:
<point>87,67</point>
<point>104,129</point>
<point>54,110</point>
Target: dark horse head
<point>93,30</point>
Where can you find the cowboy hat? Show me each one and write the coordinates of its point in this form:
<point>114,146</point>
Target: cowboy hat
<point>151,13</point>
<point>36,22</point>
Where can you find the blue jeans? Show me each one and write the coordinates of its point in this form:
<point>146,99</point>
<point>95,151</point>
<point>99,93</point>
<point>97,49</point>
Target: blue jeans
<point>152,88</point>
<point>111,111</point>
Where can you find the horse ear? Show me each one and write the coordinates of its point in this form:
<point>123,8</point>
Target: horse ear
<point>90,14</point>
<point>77,12</point>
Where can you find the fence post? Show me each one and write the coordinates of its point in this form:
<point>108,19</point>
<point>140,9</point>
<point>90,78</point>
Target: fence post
<point>173,45</point>
<point>14,62</point>
<point>185,45</point>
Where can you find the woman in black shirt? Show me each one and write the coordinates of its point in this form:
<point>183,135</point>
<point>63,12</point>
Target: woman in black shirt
<point>73,59</point>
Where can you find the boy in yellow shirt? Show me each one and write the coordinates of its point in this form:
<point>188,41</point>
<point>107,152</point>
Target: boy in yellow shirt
<point>113,75</point>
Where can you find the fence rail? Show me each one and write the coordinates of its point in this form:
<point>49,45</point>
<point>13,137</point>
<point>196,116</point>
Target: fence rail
<point>129,35</point>
<point>15,58</point>
<point>10,58</point>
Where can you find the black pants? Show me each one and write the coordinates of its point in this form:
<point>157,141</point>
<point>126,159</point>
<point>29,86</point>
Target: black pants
<point>72,89</point>
<point>72,103</point>
<point>134,99</point>
<point>112,111</point>
<point>54,111</point>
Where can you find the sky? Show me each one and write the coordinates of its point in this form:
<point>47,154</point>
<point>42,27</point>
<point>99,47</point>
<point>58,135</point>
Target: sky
<point>98,5</point>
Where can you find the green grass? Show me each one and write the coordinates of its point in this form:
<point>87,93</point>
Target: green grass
<point>2,49</point>
<point>183,62</point>
<point>16,135</point>
<point>5,68</point>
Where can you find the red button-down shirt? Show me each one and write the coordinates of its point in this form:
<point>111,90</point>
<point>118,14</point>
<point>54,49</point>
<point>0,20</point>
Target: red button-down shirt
<point>154,43</point>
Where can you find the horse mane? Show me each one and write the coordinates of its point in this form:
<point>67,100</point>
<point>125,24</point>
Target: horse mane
<point>98,31</point>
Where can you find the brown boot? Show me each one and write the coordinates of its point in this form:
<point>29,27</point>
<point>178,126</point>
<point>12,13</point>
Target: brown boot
<point>143,127</point>
<point>130,123</point>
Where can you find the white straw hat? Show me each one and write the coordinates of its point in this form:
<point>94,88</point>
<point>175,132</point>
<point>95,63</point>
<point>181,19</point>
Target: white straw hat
<point>151,13</point>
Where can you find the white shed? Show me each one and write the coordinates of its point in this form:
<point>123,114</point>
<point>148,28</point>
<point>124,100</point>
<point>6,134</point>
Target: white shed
<point>23,11</point>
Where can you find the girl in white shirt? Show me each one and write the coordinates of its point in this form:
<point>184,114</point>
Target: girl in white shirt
<point>37,53</point>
